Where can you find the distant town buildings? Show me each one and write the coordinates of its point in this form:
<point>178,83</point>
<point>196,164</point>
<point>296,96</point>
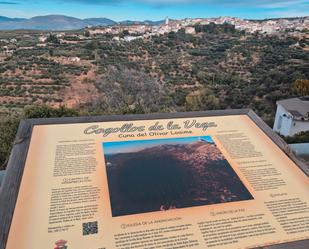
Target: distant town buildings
<point>250,26</point>
<point>292,116</point>
<point>131,32</point>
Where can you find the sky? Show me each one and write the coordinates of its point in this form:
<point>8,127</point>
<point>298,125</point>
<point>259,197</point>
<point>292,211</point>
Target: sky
<point>119,10</point>
<point>137,145</point>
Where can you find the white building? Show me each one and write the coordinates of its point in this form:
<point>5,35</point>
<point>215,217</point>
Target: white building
<point>42,38</point>
<point>13,41</point>
<point>292,116</point>
<point>166,20</point>
<point>74,59</point>
<point>131,38</point>
<point>190,30</point>
<point>60,35</point>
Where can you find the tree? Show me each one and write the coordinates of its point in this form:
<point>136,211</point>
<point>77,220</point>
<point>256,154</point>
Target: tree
<point>125,32</point>
<point>8,129</point>
<point>51,52</point>
<point>302,137</point>
<point>301,86</point>
<point>9,125</point>
<point>126,89</point>
<point>44,111</point>
<point>202,100</point>
<point>92,45</point>
<point>87,33</point>
<point>53,39</point>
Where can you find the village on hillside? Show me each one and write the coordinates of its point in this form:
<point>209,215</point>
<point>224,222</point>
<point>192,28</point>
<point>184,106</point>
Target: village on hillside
<point>140,31</point>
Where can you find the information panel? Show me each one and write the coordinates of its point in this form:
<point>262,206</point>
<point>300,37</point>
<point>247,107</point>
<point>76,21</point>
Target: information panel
<point>185,182</point>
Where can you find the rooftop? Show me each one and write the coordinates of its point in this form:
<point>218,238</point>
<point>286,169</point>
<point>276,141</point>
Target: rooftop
<point>297,107</point>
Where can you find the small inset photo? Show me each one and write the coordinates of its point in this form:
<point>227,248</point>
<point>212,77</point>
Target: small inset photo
<point>164,174</point>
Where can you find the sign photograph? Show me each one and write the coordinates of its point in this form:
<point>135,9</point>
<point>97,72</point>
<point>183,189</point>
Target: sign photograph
<point>217,179</point>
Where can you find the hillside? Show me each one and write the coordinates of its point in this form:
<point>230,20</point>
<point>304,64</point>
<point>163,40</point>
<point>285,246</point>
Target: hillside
<point>61,22</point>
<point>51,22</point>
<point>216,68</point>
<point>8,19</point>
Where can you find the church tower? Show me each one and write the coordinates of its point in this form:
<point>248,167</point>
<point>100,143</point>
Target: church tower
<point>166,20</point>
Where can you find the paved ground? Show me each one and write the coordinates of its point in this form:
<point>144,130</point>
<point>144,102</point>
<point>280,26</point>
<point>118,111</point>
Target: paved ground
<point>306,157</point>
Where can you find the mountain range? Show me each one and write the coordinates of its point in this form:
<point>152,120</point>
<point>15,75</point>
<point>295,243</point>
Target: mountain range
<point>60,22</point>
